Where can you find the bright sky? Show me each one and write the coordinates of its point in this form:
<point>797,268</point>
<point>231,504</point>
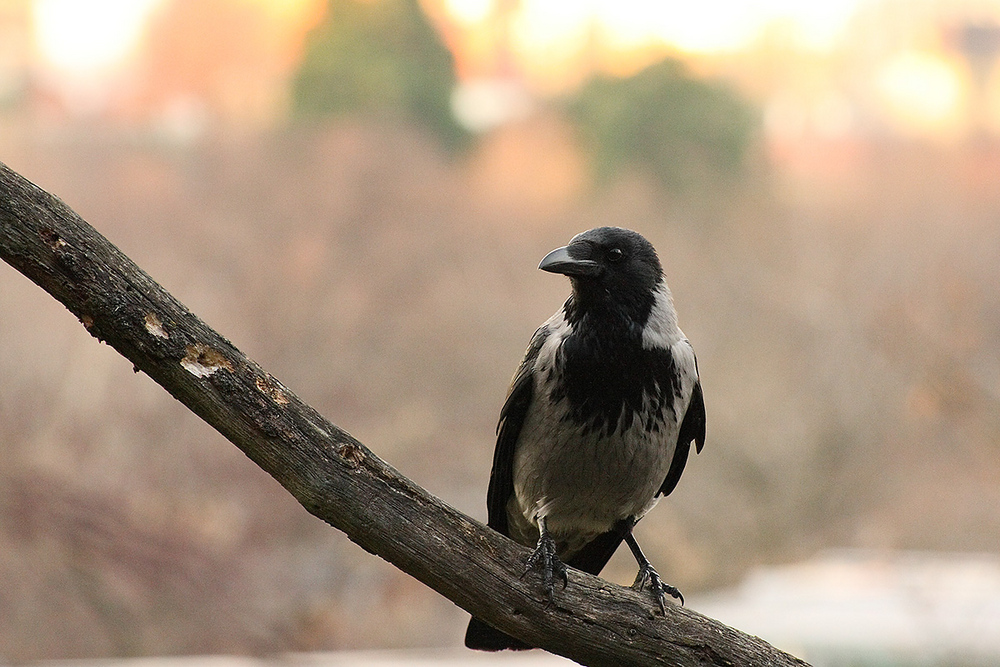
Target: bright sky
<point>85,40</point>
<point>922,92</point>
<point>89,36</point>
<point>93,35</point>
<point>689,25</point>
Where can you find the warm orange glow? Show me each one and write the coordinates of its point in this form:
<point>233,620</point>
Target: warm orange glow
<point>223,58</point>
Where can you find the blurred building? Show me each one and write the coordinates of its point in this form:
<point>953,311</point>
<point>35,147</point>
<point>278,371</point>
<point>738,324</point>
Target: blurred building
<point>872,608</point>
<point>221,59</point>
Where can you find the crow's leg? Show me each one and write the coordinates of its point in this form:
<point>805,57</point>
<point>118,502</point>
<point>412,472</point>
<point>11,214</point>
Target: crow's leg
<point>648,575</point>
<point>544,557</point>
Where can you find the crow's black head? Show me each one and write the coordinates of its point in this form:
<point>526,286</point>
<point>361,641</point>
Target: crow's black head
<point>609,267</point>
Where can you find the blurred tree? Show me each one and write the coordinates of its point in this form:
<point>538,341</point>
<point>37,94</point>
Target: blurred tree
<point>682,130</point>
<point>379,57</point>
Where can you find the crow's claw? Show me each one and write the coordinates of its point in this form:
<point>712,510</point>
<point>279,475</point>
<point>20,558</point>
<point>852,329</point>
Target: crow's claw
<point>544,557</point>
<point>648,575</point>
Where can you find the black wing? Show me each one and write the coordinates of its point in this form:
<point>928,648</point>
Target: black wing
<point>479,635</point>
<point>692,429</point>
<point>522,388</point>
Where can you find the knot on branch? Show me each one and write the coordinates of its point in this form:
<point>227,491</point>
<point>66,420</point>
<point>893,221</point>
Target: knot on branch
<point>203,361</point>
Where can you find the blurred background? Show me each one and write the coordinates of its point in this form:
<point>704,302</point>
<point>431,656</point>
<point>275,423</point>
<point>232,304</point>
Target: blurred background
<point>357,193</point>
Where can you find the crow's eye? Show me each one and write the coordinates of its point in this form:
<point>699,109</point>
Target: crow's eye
<point>615,255</point>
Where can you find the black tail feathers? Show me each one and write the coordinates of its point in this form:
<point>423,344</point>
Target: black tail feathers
<point>482,637</point>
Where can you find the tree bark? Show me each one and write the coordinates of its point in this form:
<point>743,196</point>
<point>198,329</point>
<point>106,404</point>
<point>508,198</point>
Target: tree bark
<point>334,476</point>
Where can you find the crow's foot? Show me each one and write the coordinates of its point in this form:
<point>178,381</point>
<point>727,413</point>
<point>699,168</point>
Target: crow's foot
<point>649,576</point>
<point>544,558</point>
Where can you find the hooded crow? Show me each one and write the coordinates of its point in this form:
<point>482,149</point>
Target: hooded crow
<point>598,421</point>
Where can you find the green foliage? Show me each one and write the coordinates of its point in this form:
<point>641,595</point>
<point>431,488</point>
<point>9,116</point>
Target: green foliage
<point>380,58</point>
<point>682,130</point>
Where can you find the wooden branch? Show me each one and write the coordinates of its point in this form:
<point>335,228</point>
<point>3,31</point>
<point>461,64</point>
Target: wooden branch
<point>333,475</point>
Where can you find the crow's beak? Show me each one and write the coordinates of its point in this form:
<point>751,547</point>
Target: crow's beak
<point>560,261</point>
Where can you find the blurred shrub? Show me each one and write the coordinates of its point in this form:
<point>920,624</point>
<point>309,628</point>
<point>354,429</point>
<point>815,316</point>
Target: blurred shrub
<point>378,58</point>
<point>682,130</point>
